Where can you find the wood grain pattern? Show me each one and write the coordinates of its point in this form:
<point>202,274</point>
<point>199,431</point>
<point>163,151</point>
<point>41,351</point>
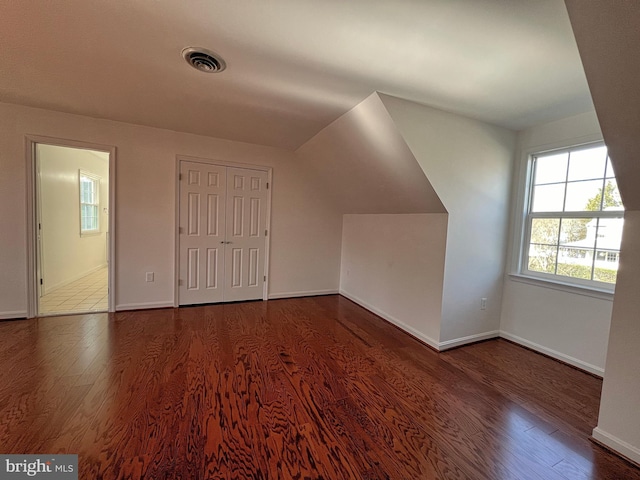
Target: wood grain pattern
<point>310,388</point>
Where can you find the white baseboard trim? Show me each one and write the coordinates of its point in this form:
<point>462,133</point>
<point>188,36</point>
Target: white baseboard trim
<point>150,305</point>
<point>308,293</point>
<point>13,315</point>
<point>72,279</point>
<point>555,354</point>
<point>620,446</point>
<point>457,342</point>
<point>143,306</point>
<point>421,336</point>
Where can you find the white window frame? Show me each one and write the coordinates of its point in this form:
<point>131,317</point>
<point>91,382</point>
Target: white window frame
<point>96,181</point>
<point>521,233</point>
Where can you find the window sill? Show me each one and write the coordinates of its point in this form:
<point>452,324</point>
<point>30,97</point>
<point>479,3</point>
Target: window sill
<point>593,292</point>
<point>90,234</point>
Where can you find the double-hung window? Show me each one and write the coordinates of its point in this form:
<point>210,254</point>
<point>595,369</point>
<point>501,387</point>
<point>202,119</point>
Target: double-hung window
<point>89,203</point>
<point>574,218</point>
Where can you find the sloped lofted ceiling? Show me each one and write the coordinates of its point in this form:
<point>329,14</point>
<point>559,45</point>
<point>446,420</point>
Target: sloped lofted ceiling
<point>608,35</point>
<point>293,66</point>
<point>366,165</point>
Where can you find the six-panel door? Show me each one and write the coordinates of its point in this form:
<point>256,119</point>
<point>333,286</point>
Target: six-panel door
<point>222,233</point>
<point>245,234</point>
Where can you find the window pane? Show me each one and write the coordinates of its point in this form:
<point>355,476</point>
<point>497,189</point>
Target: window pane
<point>606,275</point>
<point>548,198</point>
<point>578,232</point>
<point>89,220</point>
<point>581,180</point>
<point>88,187</point>
<point>542,258</point>
<point>587,164</point>
<point>607,261</point>
<point>610,172</point>
<point>85,190</point>
<point>609,233</point>
<point>545,230</point>
<point>91,193</point>
<point>88,217</point>
<point>612,198</point>
<point>551,168</point>
<point>575,262</point>
<point>583,196</point>
<point>94,217</point>
<point>608,238</point>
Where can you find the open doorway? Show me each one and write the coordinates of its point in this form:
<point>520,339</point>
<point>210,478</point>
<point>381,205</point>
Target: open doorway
<point>72,253</point>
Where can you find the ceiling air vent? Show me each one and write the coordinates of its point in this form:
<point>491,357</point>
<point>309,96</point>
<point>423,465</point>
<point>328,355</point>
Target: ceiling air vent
<point>204,60</point>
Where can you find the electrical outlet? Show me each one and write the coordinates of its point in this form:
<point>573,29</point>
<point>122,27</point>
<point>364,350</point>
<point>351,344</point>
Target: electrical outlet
<point>149,277</point>
<point>483,303</point>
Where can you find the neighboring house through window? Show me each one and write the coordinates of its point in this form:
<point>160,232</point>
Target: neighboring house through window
<point>89,203</point>
<point>574,218</point>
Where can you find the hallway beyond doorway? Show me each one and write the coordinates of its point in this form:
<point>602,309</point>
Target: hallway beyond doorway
<point>88,294</point>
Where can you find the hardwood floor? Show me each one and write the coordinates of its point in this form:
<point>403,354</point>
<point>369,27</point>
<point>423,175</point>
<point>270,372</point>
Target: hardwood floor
<point>301,388</point>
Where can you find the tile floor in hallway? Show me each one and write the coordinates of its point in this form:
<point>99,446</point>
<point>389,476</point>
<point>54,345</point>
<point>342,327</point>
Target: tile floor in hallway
<point>88,294</point>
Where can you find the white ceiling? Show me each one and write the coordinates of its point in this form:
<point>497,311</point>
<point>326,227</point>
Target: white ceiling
<point>293,65</point>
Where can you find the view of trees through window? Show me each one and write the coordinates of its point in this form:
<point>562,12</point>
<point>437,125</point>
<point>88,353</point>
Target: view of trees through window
<point>575,216</point>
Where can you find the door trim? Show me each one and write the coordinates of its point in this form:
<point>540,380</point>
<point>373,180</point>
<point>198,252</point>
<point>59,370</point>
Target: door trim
<point>267,240</point>
<point>30,154</point>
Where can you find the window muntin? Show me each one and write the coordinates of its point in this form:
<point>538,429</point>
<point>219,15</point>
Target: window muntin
<point>89,203</point>
<point>574,220</point>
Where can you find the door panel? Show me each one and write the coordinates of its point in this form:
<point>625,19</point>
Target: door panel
<point>193,272</point>
<point>213,217</point>
<point>222,233</point>
<point>246,214</point>
<point>254,268</point>
<point>202,225</point>
<point>212,268</point>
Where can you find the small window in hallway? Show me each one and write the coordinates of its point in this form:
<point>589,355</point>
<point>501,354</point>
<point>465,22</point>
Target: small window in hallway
<point>89,203</point>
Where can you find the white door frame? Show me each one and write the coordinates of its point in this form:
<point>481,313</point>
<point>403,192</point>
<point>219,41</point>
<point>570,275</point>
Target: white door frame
<point>267,240</point>
<point>40,273</point>
<point>30,153</point>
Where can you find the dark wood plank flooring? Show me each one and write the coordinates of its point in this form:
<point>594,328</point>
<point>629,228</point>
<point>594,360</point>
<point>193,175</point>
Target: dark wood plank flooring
<point>301,388</point>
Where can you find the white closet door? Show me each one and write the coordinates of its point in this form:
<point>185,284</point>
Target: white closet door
<point>222,239</point>
<point>202,233</point>
<point>246,214</point>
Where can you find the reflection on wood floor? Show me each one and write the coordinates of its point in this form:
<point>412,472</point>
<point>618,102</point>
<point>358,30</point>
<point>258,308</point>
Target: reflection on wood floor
<point>299,388</point>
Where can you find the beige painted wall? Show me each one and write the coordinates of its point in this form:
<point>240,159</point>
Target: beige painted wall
<point>66,255</point>
<point>619,420</point>
<point>394,265</point>
<point>305,232</point>
<point>391,156</point>
<point>394,227</point>
<point>567,325</point>
<point>469,164</point>
<point>607,34</point>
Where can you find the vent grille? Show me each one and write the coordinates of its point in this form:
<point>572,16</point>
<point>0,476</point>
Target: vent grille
<point>203,60</point>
